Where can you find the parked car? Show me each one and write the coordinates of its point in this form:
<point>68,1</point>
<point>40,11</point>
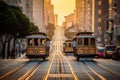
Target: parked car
<point>109,50</point>
<point>100,52</point>
<point>116,54</point>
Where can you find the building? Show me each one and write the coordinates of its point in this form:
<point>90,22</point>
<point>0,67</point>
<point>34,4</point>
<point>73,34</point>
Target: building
<point>80,23</point>
<point>107,28</point>
<point>95,17</point>
<point>69,20</point>
<point>84,15</point>
<point>102,13</point>
<point>13,2</point>
<point>48,13</point>
<point>88,15</point>
<point>33,9</point>
<point>38,14</point>
<point>27,8</point>
<point>114,16</point>
<point>56,19</point>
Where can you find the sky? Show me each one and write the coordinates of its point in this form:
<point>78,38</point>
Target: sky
<point>63,8</point>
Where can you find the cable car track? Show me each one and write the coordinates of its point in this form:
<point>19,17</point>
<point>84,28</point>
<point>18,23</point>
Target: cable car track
<point>12,71</point>
<point>63,74</point>
<point>93,71</point>
<point>96,73</point>
<point>30,72</point>
<point>108,70</point>
<point>8,64</point>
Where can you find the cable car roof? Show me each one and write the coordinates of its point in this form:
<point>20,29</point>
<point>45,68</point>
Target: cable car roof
<point>69,40</point>
<point>36,36</point>
<point>84,33</point>
<point>37,33</point>
<point>85,36</point>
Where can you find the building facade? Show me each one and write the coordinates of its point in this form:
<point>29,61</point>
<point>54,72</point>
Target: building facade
<point>56,19</point>
<point>33,9</point>
<point>108,21</point>
<point>80,21</point>
<point>84,14</point>
<point>13,2</point>
<point>48,13</point>
<point>102,13</point>
<point>88,15</point>
<point>38,14</point>
<point>69,20</point>
<point>114,15</point>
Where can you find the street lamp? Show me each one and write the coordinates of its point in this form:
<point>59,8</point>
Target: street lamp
<point>112,21</point>
<point>109,30</point>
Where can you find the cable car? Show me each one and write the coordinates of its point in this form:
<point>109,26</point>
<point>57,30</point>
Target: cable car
<point>85,45</point>
<point>38,45</point>
<point>68,46</point>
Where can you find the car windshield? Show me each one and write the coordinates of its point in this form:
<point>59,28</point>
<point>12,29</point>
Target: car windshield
<point>110,48</point>
<point>101,50</point>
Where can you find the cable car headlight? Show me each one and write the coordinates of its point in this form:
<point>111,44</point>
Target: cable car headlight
<point>36,51</point>
<point>86,51</point>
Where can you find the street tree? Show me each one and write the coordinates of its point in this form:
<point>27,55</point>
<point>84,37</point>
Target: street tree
<point>14,24</point>
<point>50,30</point>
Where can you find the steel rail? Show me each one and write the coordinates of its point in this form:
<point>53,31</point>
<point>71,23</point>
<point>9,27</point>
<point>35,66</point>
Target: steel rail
<point>108,70</point>
<point>91,77</point>
<point>72,70</point>
<point>12,71</point>
<point>29,73</point>
<point>97,74</point>
<point>49,68</point>
<point>6,66</point>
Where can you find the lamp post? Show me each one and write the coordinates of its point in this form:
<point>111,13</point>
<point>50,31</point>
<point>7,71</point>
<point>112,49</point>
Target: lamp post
<point>112,21</point>
<point>114,25</point>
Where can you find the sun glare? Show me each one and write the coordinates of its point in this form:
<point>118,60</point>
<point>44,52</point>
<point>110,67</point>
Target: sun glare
<point>63,8</point>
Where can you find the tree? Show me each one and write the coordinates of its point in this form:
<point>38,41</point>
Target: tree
<point>6,19</point>
<point>50,30</point>
<point>69,34</point>
<point>32,28</point>
<point>13,24</point>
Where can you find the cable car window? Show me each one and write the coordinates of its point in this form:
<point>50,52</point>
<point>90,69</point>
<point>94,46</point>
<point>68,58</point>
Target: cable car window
<point>74,43</point>
<point>92,41</point>
<point>70,45</point>
<point>48,43</point>
<point>66,44</point>
<point>36,42</point>
<point>42,42</point>
<point>79,41</point>
<point>30,42</point>
<point>86,41</point>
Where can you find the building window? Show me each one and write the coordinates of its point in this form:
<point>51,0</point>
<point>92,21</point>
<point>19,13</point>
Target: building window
<point>99,3</point>
<point>110,1</point>
<point>99,11</point>
<point>99,20</point>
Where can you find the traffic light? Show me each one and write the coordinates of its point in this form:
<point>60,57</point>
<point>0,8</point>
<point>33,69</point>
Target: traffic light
<point>17,34</point>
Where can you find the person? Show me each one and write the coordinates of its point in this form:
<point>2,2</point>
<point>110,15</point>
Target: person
<point>30,42</point>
